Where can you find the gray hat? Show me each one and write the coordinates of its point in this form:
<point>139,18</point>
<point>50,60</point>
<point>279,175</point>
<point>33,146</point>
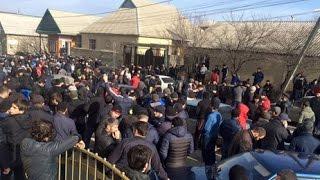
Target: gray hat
<point>276,110</point>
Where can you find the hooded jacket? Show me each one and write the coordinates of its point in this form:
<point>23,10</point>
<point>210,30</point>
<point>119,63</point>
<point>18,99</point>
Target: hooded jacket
<point>176,145</point>
<point>307,113</point>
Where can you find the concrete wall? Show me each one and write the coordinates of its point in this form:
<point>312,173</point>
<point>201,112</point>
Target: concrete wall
<point>103,55</point>
<point>26,44</point>
<point>272,65</point>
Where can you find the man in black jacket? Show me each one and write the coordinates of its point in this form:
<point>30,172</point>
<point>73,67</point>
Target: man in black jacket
<point>315,106</point>
<point>16,123</point>
<point>38,109</point>
<point>176,145</point>
<point>119,155</point>
<point>305,142</point>
<point>277,132</point>
<point>107,138</point>
<point>203,108</point>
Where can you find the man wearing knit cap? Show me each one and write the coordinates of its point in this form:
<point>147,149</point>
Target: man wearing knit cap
<point>210,133</point>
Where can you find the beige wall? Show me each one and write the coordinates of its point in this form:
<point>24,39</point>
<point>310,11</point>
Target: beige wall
<point>272,65</point>
<point>26,44</point>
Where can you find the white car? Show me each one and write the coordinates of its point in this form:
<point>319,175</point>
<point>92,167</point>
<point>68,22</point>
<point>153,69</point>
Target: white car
<point>165,80</point>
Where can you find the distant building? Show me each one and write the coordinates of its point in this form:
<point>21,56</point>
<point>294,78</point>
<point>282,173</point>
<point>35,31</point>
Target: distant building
<point>18,34</point>
<point>138,32</point>
<point>63,30</point>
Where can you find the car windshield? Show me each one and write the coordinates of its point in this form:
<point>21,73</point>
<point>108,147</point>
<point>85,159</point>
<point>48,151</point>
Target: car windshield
<point>167,80</point>
<point>301,177</point>
<point>247,160</point>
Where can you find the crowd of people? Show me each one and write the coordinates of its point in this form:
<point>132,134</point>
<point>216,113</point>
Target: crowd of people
<point>136,124</point>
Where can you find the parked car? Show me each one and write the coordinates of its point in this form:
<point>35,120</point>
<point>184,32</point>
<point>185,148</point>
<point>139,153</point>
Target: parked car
<point>165,80</point>
<point>264,164</point>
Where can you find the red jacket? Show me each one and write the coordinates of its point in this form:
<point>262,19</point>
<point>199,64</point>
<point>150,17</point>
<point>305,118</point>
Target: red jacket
<point>243,117</point>
<point>135,80</point>
<point>215,77</point>
<point>266,104</point>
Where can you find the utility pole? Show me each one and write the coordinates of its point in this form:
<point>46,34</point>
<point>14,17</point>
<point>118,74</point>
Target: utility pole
<point>114,46</point>
<point>303,53</point>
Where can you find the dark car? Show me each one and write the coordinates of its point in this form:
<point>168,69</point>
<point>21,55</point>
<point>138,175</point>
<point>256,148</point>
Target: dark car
<point>264,165</point>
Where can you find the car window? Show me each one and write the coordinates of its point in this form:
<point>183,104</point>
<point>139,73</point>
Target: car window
<point>301,177</point>
<point>257,170</point>
<point>167,80</point>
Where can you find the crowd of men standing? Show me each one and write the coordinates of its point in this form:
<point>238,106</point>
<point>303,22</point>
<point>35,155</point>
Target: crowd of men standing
<point>136,124</point>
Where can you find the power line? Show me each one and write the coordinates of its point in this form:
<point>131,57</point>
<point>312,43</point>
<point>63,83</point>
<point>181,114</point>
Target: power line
<point>251,6</point>
<point>108,12</point>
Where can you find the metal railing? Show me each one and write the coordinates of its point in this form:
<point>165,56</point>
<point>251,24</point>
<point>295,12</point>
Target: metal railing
<point>81,164</point>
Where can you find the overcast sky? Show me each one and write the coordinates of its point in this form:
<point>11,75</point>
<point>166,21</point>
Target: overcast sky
<point>218,9</point>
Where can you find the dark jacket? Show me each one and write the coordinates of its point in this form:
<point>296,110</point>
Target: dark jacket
<point>41,113</point>
<point>228,129</point>
<point>243,141</point>
<point>315,106</point>
<point>305,143</point>
<point>135,175</point>
<point>176,145</point>
<point>64,127</point>
<point>203,108</point>
<point>119,155</point>
<point>257,77</point>
<point>276,135</point>
<point>40,158</point>
<point>104,143</point>
<point>152,135</point>
<point>16,128</point>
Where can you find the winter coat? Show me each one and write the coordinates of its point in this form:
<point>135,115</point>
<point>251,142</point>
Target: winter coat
<point>307,113</point>
<point>176,145</point>
<point>41,114</point>
<point>40,158</point>
<point>228,129</point>
<point>315,106</point>
<point>135,80</point>
<point>305,143</point>
<point>119,155</point>
<point>243,117</point>
<point>215,77</point>
<point>276,135</point>
<point>258,77</point>
<point>266,104</point>
<point>237,94</point>
<point>152,135</point>
<point>64,127</point>
<point>243,141</point>
<point>211,127</point>
<point>203,108</point>
<point>104,143</point>
<point>16,128</point>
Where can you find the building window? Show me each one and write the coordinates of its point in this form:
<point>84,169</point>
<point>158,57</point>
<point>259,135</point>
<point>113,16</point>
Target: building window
<point>52,46</point>
<point>79,41</point>
<point>92,44</point>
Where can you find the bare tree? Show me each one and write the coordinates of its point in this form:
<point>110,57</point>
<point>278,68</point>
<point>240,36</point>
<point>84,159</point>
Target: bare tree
<point>288,41</point>
<point>239,40</point>
<point>189,35</point>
